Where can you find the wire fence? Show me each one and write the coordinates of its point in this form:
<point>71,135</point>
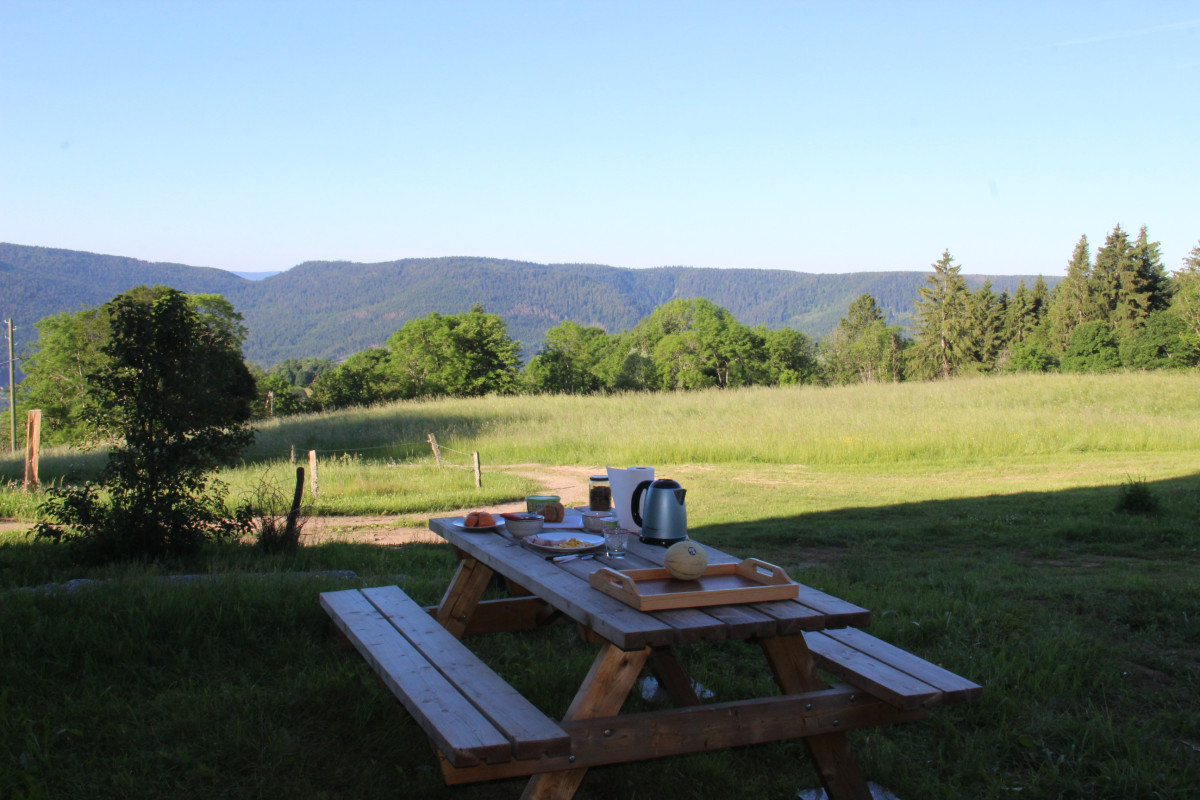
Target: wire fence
<point>431,442</point>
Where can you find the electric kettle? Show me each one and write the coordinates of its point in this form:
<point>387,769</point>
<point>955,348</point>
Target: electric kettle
<point>662,515</point>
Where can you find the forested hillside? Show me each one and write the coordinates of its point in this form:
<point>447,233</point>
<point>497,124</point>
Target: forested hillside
<point>332,309</point>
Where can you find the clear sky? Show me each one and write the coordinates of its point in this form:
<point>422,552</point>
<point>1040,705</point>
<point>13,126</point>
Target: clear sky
<point>815,136</point>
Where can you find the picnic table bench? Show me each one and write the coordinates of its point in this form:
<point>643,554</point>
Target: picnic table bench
<point>484,729</point>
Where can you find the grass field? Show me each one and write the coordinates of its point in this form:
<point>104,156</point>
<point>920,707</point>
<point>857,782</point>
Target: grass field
<point>977,519</point>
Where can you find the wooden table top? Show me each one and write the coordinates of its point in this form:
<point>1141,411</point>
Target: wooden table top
<point>564,586</point>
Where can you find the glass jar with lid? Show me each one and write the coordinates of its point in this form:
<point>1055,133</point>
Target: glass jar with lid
<point>599,493</point>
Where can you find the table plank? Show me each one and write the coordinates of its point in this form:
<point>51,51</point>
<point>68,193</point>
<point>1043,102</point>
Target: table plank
<point>626,627</point>
<point>744,621</point>
<point>559,585</point>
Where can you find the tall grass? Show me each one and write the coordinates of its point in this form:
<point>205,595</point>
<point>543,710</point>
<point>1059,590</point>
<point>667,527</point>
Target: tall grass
<point>967,420</point>
<point>1000,428</point>
<point>355,485</point>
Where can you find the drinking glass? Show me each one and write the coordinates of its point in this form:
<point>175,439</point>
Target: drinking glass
<point>616,542</point>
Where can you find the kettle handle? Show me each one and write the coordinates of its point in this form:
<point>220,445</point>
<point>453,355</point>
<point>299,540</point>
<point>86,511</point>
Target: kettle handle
<point>633,502</point>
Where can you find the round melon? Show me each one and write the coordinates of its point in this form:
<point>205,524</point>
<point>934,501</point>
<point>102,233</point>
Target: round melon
<point>686,561</point>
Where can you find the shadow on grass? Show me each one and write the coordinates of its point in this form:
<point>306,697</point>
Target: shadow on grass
<point>1089,672</point>
<point>1035,521</point>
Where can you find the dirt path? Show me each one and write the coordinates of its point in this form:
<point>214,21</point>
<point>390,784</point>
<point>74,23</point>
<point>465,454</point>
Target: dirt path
<point>569,483</point>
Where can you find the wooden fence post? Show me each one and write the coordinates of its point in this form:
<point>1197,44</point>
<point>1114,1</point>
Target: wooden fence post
<point>292,455</point>
<point>312,468</point>
<point>33,446</point>
<point>478,471</point>
<point>437,453</point>
<point>289,529</point>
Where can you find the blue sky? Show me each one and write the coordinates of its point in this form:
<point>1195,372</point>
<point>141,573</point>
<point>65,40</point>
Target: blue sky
<point>814,136</point>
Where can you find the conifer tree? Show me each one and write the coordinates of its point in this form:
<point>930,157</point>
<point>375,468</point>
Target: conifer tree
<point>943,311</point>
<point>988,313</point>
<point>1040,297</point>
<point>1073,301</point>
<point>1020,319</point>
<point>1113,260</point>
<point>1147,259</point>
<point>1186,301</point>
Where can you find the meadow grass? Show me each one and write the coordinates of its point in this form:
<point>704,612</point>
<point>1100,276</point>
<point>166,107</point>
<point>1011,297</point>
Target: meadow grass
<point>352,485</point>
<point>998,553</point>
<point>968,421</point>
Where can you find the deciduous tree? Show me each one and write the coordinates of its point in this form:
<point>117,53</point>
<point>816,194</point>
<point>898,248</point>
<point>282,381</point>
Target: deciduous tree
<point>173,397</point>
<point>70,348</point>
<point>1093,348</point>
<point>569,361</point>
<point>863,348</point>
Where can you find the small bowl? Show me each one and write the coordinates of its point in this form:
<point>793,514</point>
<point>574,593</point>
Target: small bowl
<point>522,525</point>
<point>593,521</point>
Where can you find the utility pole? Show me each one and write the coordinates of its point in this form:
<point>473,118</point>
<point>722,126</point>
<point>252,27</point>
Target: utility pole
<point>12,399</point>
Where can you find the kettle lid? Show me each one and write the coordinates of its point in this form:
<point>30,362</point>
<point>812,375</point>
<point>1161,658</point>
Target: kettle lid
<point>665,483</point>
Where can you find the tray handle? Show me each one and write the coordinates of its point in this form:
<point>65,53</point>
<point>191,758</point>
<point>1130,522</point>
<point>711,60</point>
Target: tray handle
<point>618,580</point>
<point>762,568</point>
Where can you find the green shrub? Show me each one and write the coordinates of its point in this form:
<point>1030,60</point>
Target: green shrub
<point>1137,497</point>
<point>1093,348</point>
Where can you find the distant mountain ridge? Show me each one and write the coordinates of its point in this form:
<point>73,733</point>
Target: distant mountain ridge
<point>330,309</point>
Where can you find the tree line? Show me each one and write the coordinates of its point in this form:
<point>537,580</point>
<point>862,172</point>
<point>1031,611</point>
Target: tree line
<point>1118,310</point>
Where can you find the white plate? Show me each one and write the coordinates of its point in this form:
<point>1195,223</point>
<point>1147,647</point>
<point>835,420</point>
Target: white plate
<point>547,542</point>
<point>459,523</point>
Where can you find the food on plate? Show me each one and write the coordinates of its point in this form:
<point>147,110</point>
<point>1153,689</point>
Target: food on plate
<point>572,542</point>
<point>686,561</point>
<point>554,511</point>
<point>479,519</point>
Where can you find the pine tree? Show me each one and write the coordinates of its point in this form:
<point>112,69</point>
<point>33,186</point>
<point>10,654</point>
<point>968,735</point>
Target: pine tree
<point>1040,297</point>
<point>943,310</point>
<point>1129,281</point>
<point>1148,264</point>
<point>1186,301</point>
<point>1019,320</point>
<point>988,313</point>
<point>1108,274</point>
<point>1073,301</point>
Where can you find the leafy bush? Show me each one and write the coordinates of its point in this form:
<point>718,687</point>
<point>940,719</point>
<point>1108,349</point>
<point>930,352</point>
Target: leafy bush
<point>1160,343</point>
<point>1029,356</point>
<point>1093,348</point>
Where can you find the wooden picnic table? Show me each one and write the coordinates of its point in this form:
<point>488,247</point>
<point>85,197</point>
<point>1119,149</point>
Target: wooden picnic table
<point>797,637</point>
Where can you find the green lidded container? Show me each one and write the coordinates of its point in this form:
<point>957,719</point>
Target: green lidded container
<point>535,502</point>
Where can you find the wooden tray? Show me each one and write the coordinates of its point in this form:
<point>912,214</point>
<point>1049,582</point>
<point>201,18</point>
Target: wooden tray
<point>749,581</point>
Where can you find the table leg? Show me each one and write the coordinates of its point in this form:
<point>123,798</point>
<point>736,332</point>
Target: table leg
<point>671,675</point>
<point>795,671</point>
<point>463,595</point>
<point>602,694</point>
